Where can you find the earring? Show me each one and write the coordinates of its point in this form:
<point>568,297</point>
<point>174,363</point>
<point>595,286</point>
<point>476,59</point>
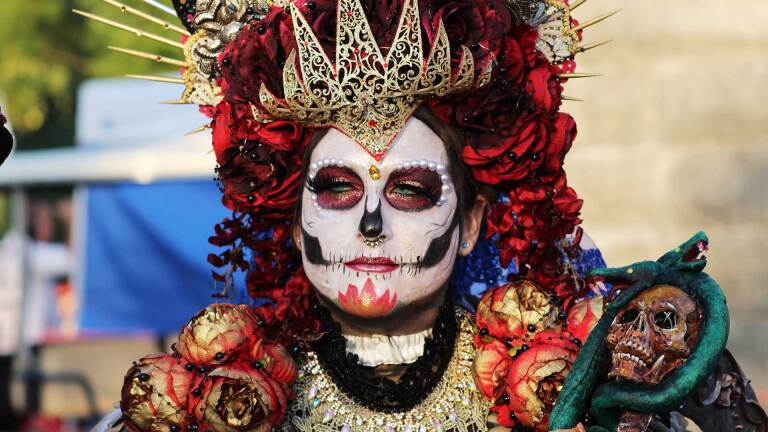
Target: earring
<point>465,245</point>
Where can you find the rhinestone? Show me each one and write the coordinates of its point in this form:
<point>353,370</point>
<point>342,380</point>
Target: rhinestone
<point>432,166</point>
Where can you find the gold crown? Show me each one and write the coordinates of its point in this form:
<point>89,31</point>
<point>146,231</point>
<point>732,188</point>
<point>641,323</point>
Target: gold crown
<point>366,95</point>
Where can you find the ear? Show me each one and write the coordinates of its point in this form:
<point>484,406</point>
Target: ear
<point>473,220</point>
<point>296,234</point>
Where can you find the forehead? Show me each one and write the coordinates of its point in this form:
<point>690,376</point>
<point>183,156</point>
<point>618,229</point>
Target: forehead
<point>666,294</point>
<point>414,142</point>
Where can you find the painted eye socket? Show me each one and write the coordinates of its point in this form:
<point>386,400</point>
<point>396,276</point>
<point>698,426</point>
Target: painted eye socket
<point>337,188</point>
<point>665,320</point>
<point>413,190</point>
<point>629,316</point>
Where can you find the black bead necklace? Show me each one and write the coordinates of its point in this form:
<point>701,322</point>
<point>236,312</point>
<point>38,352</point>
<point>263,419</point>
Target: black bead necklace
<point>364,386</point>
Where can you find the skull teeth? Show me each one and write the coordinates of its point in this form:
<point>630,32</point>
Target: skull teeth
<point>629,357</point>
<point>626,346</point>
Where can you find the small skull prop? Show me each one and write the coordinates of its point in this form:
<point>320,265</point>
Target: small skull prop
<point>653,334</point>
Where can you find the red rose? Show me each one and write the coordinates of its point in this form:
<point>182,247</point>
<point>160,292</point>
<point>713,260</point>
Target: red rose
<point>257,56</point>
<point>154,394</point>
<point>238,398</point>
<point>216,333</point>
<point>491,367</point>
<point>544,89</point>
<point>560,141</point>
<point>275,360</point>
<point>509,311</point>
<point>514,157</point>
<point>478,25</point>
<point>535,379</point>
<point>584,315</point>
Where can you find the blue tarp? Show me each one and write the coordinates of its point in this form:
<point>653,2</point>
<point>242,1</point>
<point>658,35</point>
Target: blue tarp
<point>144,266</point>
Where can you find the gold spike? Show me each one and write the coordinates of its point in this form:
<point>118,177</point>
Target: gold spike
<point>121,26</point>
<point>588,47</point>
<point>165,24</point>
<point>176,102</point>
<point>158,79</point>
<point>155,57</point>
<point>596,20</point>
<point>576,4</point>
<point>569,98</point>
<point>202,128</point>
<point>577,75</point>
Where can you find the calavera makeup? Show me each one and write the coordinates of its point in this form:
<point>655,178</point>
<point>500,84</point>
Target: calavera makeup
<point>379,235</point>
<point>653,335</point>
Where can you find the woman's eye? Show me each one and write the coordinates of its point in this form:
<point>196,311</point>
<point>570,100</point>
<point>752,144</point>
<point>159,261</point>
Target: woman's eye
<point>408,189</point>
<point>340,187</point>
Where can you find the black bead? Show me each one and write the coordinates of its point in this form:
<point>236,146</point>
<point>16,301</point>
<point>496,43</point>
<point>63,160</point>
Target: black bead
<point>512,155</point>
<point>190,367</point>
<point>505,398</point>
<point>226,61</point>
<point>531,328</point>
<point>311,5</point>
<point>261,29</point>
<point>508,343</point>
<point>474,46</point>
<point>483,331</point>
<point>196,392</point>
<point>563,315</point>
<point>261,323</point>
<point>295,350</point>
<point>249,11</point>
<point>174,428</point>
<point>502,70</point>
<point>576,341</point>
<point>202,370</point>
<point>143,377</point>
<point>536,157</point>
<point>512,415</point>
<point>219,356</point>
<point>251,198</point>
<point>193,427</point>
<point>257,365</point>
<point>524,348</point>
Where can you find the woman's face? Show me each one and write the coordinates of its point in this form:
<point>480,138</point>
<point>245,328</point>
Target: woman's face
<point>378,236</point>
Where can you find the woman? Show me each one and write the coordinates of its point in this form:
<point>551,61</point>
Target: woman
<point>387,163</point>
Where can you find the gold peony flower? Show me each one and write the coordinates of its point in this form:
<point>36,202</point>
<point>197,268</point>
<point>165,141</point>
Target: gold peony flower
<point>216,332</point>
<point>154,395</point>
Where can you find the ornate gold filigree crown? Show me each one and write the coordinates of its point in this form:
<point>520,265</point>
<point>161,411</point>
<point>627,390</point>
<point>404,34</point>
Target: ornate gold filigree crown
<point>365,94</point>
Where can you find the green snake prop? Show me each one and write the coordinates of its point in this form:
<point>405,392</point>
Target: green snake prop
<point>683,268</point>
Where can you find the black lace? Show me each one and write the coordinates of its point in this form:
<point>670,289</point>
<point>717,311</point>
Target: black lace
<point>364,386</point>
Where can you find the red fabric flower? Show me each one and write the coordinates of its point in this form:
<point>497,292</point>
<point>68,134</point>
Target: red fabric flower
<point>535,379</point>
<point>514,309</point>
<point>491,367</point>
<point>154,394</point>
<point>217,333</point>
<point>584,315</point>
<point>237,397</point>
<point>257,56</point>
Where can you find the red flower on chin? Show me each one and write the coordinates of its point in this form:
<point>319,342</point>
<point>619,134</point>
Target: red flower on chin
<point>367,303</point>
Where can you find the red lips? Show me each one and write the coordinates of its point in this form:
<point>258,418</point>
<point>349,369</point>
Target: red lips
<point>372,264</point>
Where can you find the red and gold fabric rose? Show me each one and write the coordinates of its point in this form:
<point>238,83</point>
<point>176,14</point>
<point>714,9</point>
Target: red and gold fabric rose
<point>225,375</point>
<point>154,395</point>
<point>525,349</point>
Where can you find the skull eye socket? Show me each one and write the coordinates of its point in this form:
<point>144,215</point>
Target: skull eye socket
<point>629,316</point>
<point>665,320</point>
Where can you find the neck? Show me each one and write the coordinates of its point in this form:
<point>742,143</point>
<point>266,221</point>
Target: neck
<point>409,319</point>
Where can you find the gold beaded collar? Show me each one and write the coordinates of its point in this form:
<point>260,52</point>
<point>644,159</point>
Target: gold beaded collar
<point>454,405</point>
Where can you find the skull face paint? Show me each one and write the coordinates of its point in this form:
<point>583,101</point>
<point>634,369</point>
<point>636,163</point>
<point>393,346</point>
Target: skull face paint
<point>378,236</point>
<point>653,334</point>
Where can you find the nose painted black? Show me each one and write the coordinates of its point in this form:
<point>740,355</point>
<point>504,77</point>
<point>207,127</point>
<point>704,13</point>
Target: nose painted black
<point>371,224</point>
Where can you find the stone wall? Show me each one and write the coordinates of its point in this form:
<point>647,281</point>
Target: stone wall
<point>674,139</point>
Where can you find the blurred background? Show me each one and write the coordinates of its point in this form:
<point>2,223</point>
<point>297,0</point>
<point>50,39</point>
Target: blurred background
<point>106,205</point>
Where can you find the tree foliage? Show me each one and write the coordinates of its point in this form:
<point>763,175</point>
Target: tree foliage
<point>47,51</point>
